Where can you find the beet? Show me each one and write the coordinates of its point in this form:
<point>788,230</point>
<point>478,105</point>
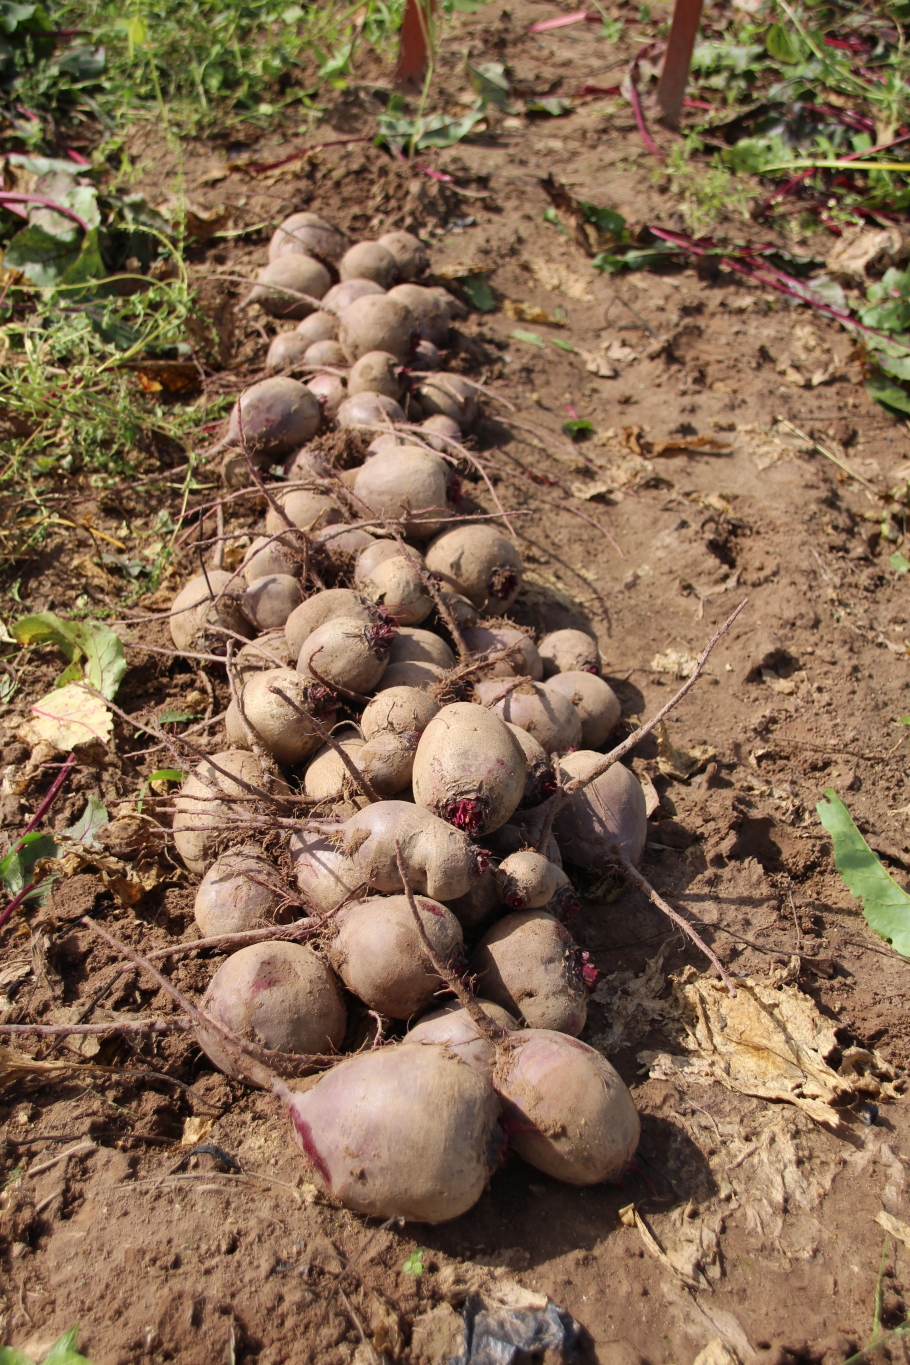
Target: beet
<point>549,717</point>
<point>469,768</point>
<point>325,606</point>
<point>280,282</point>
<point>307,234</point>
<point>400,1132</point>
<point>529,964</point>
<point>278,995</point>
<point>477,561</point>
<point>597,704</point>
<point>278,415</point>
<point>524,662</point>
<point>231,896</point>
<point>408,253</point>
<point>566,1110</point>
<point>378,954</point>
<point>609,812</point>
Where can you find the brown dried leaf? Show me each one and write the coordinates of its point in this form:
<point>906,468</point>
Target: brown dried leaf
<point>680,764</point>
<point>768,1040</point>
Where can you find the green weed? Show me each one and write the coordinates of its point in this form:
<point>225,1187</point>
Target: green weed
<point>706,192</point>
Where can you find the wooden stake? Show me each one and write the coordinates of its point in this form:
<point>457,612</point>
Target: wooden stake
<point>414,43</point>
<point>674,74</point>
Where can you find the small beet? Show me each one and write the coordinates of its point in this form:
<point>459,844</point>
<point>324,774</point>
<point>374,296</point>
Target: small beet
<point>431,314</point>
<point>406,483</point>
<point>269,601</point>
<point>597,704</point>
<point>307,234</point>
<point>413,645</point>
<point>375,372</point>
<point>341,296</point>
<point>408,253</point>
<point>235,894</point>
<point>368,410</point>
<point>207,799</point>
<point>529,964</point>
<point>523,662</point>
<point>374,323</point>
<point>396,586</point>
<point>193,609</point>
<point>567,651</point>
<point>549,717</point>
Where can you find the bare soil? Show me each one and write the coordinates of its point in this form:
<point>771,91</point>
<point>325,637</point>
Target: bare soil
<point>161,1255</point>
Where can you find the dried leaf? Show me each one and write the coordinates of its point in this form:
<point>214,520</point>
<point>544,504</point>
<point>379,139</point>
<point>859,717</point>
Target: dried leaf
<point>768,1040</point>
<point>462,270</point>
<point>14,1065</point>
<point>559,279</point>
<point>67,717</point>
<point>596,363</point>
<point>680,763</point>
<point>678,443</point>
<point>679,663</point>
<point>895,1227</point>
<point>194,1130</point>
<point>532,312</point>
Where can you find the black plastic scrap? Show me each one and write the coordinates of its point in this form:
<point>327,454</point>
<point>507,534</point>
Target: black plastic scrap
<point>516,1336</point>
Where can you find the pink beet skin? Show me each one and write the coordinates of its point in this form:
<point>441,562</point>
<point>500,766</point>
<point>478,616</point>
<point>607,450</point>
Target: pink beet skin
<point>565,1109</point>
<point>404,1131</point>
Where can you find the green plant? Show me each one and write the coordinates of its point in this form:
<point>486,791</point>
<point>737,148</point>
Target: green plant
<point>886,907</point>
<point>63,1352</point>
<point>707,193</point>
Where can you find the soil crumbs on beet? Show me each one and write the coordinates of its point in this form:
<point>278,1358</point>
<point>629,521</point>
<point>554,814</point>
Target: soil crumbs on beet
<point>172,1221</point>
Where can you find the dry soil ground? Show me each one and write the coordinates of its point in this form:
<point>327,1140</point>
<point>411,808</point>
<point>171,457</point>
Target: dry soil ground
<point>773,1215</point>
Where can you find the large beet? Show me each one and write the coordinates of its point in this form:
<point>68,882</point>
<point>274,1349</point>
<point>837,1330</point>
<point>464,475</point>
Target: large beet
<point>378,954</point>
<point>377,323</point>
<point>469,768</point>
<point>407,482</point>
<point>278,995</point>
<point>282,730</point>
<point>529,964</point>
<point>608,813</point>
<point>401,1132</point>
<point>566,1110</point>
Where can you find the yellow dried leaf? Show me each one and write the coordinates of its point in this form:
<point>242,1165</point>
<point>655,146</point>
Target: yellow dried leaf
<point>194,1130</point>
<point>680,763</point>
<point>67,717</point>
<point>559,279</point>
<point>679,663</point>
<point>462,270</point>
<point>532,312</point>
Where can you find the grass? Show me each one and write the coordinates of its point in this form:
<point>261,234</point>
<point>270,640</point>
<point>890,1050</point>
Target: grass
<point>77,75</point>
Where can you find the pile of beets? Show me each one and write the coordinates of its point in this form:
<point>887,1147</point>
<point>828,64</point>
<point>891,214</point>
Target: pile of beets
<point>393,750</point>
